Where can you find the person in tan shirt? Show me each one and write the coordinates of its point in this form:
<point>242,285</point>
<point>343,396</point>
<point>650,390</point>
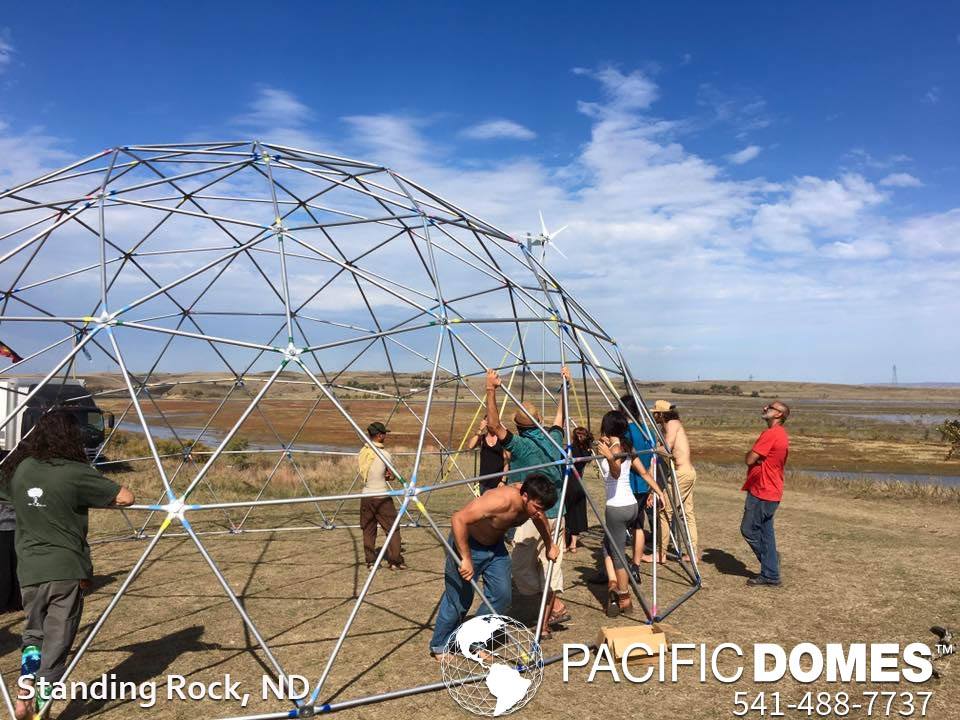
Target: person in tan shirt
<point>379,508</point>
<point>675,436</point>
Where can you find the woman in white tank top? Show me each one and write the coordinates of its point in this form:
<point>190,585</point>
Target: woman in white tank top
<point>621,510</point>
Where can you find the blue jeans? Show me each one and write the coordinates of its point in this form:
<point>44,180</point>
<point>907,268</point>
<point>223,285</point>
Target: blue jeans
<point>492,564</point>
<point>757,528</point>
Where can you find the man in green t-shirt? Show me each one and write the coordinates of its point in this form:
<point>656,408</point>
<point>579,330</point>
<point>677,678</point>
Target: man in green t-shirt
<point>51,487</point>
<point>528,448</point>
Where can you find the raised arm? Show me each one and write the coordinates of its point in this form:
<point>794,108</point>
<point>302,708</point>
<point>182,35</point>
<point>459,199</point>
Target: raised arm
<point>493,412</point>
<point>476,437</point>
<point>612,461</point>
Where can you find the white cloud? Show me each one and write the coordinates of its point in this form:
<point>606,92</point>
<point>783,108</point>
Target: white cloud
<point>275,107</point>
<point>278,116</point>
<point>651,218</point>
<point>494,129</point>
<point>900,180</point>
<point>393,140</point>
<point>936,234</point>
<point>744,156</point>
<point>932,96</point>
<point>624,92</point>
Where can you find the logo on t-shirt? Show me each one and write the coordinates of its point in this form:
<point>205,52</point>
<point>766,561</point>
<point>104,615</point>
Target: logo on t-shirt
<point>36,494</point>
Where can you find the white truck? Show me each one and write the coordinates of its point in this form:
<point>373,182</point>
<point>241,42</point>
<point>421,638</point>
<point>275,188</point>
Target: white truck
<point>71,396</point>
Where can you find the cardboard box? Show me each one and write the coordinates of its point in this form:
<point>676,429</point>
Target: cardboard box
<point>618,639</point>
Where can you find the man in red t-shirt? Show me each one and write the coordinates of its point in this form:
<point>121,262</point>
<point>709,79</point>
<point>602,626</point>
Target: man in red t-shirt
<point>764,486</point>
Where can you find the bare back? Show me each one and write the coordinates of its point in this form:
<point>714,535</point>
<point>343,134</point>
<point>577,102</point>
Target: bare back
<point>676,437</point>
<point>489,516</point>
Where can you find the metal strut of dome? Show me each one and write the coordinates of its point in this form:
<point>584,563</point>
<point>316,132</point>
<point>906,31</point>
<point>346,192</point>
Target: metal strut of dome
<point>318,262</point>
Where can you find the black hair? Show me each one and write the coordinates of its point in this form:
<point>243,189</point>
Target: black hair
<point>669,415</point>
<point>630,405</point>
<point>538,486</point>
<point>616,424</point>
<point>56,436</point>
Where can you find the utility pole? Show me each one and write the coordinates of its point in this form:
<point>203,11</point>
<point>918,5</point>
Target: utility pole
<point>893,380</point>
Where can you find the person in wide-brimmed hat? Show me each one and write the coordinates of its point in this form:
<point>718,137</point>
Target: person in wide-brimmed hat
<point>668,417</point>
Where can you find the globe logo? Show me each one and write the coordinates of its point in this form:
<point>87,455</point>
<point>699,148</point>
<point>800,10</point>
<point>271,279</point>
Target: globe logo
<point>492,665</point>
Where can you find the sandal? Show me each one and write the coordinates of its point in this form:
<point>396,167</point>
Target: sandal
<point>613,606</point>
<point>559,618</point>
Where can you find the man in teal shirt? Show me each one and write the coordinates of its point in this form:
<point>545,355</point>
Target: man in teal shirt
<point>530,447</point>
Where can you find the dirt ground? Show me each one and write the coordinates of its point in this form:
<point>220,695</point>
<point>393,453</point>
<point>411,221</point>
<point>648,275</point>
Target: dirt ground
<point>855,570</point>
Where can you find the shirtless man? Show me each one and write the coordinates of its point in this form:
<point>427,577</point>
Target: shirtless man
<point>668,418</point>
<point>477,534</point>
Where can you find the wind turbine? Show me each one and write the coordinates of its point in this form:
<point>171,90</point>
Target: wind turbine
<point>544,239</point>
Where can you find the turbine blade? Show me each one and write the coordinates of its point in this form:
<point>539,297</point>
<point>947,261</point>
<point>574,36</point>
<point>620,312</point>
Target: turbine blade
<point>557,232</point>
<point>562,253</point>
<point>543,225</point>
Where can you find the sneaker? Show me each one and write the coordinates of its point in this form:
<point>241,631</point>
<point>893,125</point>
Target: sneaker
<point>30,660</point>
<point>761,580</point>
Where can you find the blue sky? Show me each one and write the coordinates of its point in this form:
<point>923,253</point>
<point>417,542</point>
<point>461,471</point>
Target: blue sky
<point>772,190</point>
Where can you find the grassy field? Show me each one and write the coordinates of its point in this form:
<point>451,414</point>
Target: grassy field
<point>862,562</point>
<point>856,569</point>
<point>847,428</point>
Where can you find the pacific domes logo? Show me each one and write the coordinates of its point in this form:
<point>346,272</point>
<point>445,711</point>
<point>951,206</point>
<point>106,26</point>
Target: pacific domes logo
<point>492,665</point>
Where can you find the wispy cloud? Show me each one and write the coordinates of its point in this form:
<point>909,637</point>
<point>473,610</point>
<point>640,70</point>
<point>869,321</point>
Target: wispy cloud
<point>900,179</point>
<point>279,116</point>
<point>932,96</point>
<point>496,129</point>
<point>862,158</point>
<point>745,112</point>
<point>744,156</point>
<point>276,108</point>
<point>6,49</point>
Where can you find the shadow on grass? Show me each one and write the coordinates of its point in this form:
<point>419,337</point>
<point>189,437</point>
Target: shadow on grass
<point>725,563</point>
<point>147,661</point>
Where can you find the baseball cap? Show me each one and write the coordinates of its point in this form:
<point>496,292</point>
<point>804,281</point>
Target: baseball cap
<point>375,428</point>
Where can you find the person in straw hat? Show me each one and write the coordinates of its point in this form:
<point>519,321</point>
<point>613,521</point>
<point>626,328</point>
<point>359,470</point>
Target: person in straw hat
<point>668,418</point>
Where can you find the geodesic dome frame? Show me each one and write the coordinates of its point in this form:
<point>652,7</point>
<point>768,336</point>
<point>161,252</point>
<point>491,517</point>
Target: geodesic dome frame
<point>150,261</point>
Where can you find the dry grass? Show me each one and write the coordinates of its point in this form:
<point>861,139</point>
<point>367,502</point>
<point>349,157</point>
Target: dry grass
<point>833,427</point>
<point>856,569</point>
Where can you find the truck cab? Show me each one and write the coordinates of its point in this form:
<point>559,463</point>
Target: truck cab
<point>72,397</point>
